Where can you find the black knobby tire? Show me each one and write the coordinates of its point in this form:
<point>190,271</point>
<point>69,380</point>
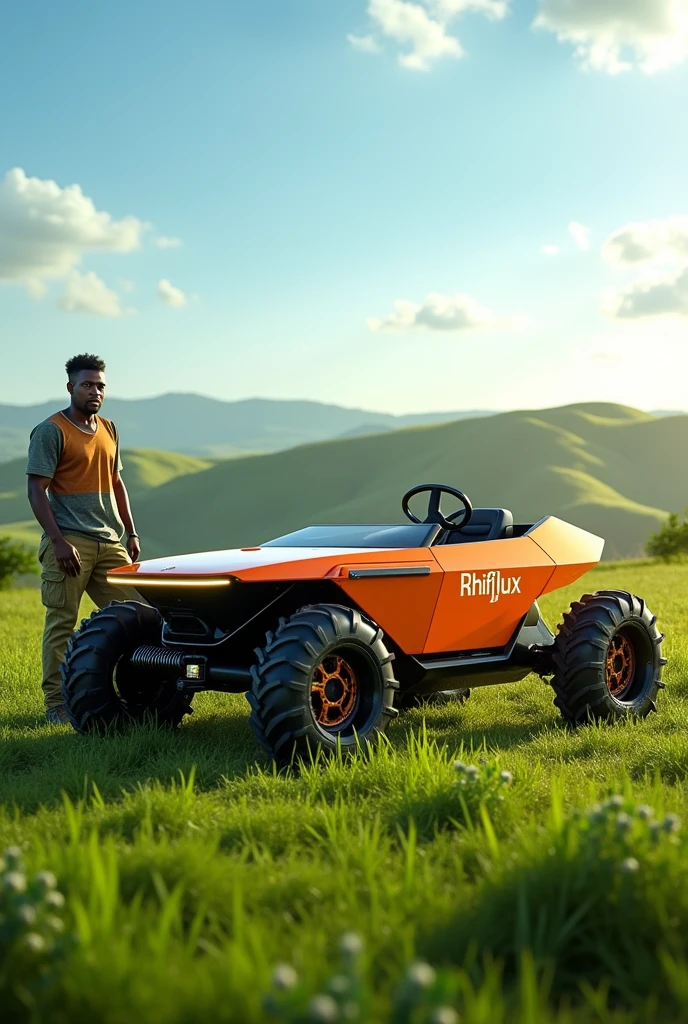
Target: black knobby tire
<point>408,701</point>
<point>607,659</point>
<point>99,689</point>
<point>288,716</point>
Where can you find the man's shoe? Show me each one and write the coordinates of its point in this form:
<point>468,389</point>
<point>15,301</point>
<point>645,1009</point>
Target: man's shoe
<point>57,715</point>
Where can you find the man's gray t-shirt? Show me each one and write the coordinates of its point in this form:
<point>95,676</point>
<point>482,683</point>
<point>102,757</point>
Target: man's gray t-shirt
<point>82,467</point>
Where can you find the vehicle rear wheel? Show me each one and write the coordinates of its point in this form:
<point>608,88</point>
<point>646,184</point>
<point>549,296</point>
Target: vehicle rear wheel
<point>607,658</point>
<point>323,680</point>
<point>408,701</point>
<point>101,689</point>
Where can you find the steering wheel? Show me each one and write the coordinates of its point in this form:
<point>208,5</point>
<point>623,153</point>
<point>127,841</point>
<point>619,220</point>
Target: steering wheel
<point>434,515</point>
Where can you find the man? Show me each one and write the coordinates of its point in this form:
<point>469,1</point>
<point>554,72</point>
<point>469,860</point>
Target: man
<point>79,498</point>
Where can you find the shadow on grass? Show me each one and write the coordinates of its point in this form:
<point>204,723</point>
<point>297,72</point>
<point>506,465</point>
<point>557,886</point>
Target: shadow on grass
<point>36,767</point>
<point>24,720</point>
<point>453,734</point>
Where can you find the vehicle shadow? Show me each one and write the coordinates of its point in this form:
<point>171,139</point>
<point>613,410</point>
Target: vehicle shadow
<point>40,763</point>
<point>454,734</point>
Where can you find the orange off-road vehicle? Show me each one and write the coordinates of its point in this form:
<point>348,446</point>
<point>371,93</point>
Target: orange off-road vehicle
<point>332,629</point>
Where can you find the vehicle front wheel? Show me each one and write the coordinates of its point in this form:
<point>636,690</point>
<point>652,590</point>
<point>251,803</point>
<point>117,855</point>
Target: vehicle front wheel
<point>323,680</point>
<point>101,689</point>
<point>607,658</point>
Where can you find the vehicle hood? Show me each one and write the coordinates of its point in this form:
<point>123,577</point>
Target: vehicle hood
<point>268,563</point>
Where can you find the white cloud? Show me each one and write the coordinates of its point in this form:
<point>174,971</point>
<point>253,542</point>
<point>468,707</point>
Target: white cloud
<point>550,250</point>
<point>45,230</point>
<point>659,296</point>
<point>163,242</point>
<point>420,28</point>
<point>86,293</point>
<point>494,9</point>
<point>365,44</point>
<point>663,241</point>
<point>618,35</point>
<point>660,248</point>
<point>442,313</point>
<point>125,285</point>
<point>580,235</point>
<point>410,25</point>
<point>170,295</point>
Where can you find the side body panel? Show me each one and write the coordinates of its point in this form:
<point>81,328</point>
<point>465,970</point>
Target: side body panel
<point>486,591</point>
<point>402,605</point>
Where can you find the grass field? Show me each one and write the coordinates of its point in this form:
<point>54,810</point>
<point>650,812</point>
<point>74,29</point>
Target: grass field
<point>191,871</point>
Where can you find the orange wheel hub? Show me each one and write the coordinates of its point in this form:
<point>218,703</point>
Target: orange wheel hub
<point>334,691</point>
<point>620,664</point>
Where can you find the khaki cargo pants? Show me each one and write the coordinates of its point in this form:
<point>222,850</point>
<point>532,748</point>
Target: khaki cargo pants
<point>61,595</point>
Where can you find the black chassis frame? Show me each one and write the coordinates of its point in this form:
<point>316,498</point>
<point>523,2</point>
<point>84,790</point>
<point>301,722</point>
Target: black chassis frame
<point>220,634</point>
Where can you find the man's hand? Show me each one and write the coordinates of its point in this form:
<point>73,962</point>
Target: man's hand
<point>67,557</point>
<point>133,547</point>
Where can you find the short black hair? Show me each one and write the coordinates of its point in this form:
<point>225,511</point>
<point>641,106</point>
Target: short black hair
<point>83,362</point>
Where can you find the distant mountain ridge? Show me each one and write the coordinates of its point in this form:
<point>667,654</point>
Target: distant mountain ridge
<point>606,468</point>
<point>207,427</point>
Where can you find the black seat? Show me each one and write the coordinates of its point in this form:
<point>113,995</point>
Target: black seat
<point>485,524</point>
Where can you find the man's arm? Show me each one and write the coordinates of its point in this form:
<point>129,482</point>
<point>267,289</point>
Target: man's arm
<point>124,509</point>
<point>66,555</point>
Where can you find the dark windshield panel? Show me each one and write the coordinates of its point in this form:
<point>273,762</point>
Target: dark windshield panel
<point>401,536</point>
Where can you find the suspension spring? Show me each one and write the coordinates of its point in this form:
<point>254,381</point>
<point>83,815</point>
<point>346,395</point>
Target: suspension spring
<point>157,658</point>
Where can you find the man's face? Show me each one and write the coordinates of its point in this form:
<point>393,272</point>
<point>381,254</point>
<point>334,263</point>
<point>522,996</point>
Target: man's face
<point>88,391</point>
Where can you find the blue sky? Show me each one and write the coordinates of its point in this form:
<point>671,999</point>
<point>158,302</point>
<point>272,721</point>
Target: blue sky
<point>317,162</point>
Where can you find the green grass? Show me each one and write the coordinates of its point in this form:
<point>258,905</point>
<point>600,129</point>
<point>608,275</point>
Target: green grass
<point>191,869</point>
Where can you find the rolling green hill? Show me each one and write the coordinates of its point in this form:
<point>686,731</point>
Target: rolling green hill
<point>203,426</point>
<point>144,469</point>
<point>607,468</point>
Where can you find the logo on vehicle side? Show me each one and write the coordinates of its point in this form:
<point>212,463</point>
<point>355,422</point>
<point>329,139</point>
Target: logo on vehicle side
<point>489,584</point>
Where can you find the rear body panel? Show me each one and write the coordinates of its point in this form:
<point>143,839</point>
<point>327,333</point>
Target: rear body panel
<point>572,550</point>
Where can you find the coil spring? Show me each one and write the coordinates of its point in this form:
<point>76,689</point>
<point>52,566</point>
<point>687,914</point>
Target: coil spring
<point>156,657</point>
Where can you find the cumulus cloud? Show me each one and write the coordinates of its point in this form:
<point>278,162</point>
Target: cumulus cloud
<point>163,242</point>
<point>660,296</point>
<point>659,249</point>
<point>170,295</point>
<point>580,235</point>
<point>86,293</point>
<point>663,241</point>
<point>410,25</point>
<point>442,313</point>
<point>45,230</point>
<point>613,36</point>
<point>365,44</point>
<point>549,250</point>
<point>421,29</point>
<point>494,9</point>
